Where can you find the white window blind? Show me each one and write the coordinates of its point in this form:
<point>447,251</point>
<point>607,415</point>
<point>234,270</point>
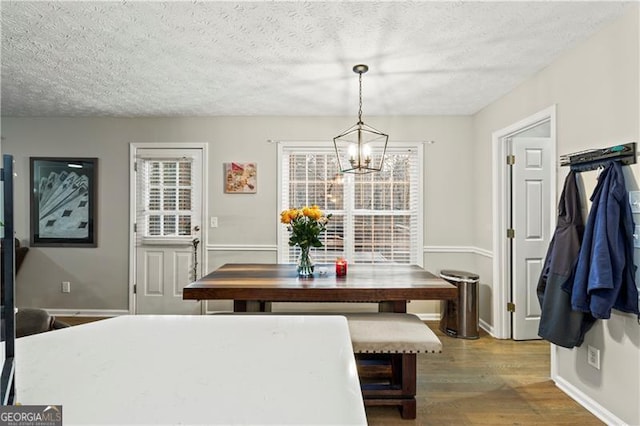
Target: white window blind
<point>376,217</point>
<point>166,198</point>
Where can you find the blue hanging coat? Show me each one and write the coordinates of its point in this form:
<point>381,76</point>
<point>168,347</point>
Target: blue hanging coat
<point>604,277</point>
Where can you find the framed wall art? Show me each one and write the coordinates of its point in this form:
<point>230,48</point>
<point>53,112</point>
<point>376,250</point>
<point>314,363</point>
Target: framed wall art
<point>240,178</point>
<point>63,202</point>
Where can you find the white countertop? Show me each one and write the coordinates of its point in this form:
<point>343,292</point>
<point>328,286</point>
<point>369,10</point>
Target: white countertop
<point>195,370</point>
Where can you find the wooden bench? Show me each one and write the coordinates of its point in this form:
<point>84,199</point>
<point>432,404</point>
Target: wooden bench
<point>385,346</point>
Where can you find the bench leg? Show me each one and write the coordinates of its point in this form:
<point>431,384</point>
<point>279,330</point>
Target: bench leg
<point>409,370</point>
<point>401,389</point>
<point>408,409</point>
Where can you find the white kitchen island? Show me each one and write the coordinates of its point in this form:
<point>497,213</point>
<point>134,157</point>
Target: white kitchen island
<point>161,370</point>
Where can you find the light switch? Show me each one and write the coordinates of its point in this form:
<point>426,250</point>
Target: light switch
<point>634,200</point>
<point>214,222</point>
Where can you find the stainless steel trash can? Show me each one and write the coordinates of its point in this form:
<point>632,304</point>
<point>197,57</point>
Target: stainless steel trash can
<point>460,317</point>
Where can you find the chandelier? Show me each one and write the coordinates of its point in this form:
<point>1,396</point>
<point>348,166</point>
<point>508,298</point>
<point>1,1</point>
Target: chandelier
<point>355,146</point>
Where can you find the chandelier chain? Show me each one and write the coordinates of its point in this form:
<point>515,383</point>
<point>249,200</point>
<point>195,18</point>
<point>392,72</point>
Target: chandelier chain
<point>360,105</point>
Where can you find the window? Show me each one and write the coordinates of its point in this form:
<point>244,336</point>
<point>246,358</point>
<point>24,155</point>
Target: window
<point>377,217</point>
<point>167,192</point>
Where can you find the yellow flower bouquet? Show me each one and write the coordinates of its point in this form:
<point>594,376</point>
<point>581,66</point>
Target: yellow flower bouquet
<point>305,224</point>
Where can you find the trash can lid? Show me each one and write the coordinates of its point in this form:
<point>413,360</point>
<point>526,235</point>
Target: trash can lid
<point>459,276</point>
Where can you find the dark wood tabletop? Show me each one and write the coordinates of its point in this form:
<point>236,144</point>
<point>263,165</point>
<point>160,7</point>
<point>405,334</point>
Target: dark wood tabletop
<point>252,286</point>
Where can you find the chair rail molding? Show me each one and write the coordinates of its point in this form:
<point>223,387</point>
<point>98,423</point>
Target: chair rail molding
<point>242,247</point>
<point>426,249</point>
<point>459,249</point>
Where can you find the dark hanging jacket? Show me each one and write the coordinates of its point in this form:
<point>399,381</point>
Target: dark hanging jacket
<point>605,274</point>
<point>559,324</point>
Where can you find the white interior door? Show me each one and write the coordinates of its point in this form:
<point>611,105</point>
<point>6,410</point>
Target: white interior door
<point>168,206</point>
<point>531,221</point>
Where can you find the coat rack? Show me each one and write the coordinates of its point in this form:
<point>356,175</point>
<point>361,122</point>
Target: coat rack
<point>593,158</point>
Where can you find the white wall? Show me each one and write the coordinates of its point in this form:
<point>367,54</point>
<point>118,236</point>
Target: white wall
<point>596,90</point>
<point>99,276</point>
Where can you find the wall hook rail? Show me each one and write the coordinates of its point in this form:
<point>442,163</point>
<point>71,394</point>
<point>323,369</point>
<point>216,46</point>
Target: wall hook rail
<point>593,158</point>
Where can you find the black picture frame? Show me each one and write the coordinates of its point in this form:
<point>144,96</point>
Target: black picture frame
<point>63,201</point>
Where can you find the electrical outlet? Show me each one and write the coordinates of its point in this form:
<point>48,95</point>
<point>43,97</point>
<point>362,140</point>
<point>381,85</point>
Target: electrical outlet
<point>214,222</point>
<point>593,357</point>
<point>634,200</point>
<point>66,287</point>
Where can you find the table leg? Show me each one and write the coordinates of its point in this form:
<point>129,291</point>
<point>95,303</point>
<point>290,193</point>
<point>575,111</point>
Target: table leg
<point>239,306</point>
<point>399,306</point>
<point>251,306</point>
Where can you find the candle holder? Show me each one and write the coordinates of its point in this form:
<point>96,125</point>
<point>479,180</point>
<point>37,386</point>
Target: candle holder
<point>341,267</point>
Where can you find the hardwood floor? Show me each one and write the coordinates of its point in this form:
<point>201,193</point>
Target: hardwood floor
<point>487,382</point>
<point>480,382</point>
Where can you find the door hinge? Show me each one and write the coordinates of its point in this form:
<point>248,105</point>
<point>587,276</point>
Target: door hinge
<point>135,289</point>
<point>135,227</point>
<point>135,166</point>
<point>511,307</point>
<point>511,233</point>
<point>511,160</point>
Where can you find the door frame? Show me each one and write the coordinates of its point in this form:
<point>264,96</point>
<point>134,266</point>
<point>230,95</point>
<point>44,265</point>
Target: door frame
<point>133,149</point>
<point>501,211</point>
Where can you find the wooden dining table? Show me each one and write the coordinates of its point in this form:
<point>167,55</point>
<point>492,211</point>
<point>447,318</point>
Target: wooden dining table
<point>254,286</point>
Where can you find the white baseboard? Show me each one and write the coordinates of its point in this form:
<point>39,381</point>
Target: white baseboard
<point>118,312</point>
<point>587,402</point>
<point>428,317</point>
<point>87,312</point>
<point>487,327</point>
<point>423,317</point>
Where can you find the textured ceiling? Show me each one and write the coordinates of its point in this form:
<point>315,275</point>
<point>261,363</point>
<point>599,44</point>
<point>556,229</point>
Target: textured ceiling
<point>193,58</point>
